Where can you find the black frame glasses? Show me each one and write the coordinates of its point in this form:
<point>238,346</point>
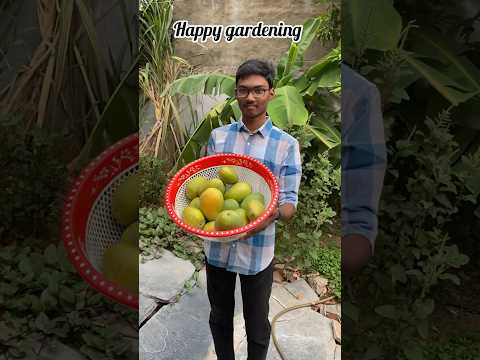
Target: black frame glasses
<point>257,92</point>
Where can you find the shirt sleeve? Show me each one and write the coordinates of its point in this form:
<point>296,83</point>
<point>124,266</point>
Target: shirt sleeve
<point>290,175</point>
<point>363,160</point>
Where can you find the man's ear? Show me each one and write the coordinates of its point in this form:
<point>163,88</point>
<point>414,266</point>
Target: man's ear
<point>272,92</point>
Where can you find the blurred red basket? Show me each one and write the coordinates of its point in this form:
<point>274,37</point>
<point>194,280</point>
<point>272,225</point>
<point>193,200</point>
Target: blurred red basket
<point>88,227</point>
<point>248,169</point>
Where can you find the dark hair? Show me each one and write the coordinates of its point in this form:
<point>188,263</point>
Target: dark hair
<point>256,67</point>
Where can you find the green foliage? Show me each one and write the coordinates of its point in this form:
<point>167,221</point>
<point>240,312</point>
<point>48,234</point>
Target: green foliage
<point>464,347</point>
<point>152,180</point>
<point>43,298</point>
<point>327,261</point>
<point>158,232</point>
<point>34,176</point>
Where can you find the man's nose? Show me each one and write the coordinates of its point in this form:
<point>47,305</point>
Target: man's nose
<point>250,96</point>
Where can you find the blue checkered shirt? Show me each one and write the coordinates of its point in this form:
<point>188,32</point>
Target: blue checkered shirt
<point>364,156</point>
<point>280,152</point>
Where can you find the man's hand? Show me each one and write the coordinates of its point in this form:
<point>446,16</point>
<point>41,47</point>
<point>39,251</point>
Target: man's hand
<point>285,212</point>
<point>356,251</point>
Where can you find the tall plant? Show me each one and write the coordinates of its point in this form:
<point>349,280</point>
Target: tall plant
<point>158,69</point>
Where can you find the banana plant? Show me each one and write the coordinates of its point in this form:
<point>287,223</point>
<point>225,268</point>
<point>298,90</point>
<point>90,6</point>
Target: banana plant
<point>286,109</point>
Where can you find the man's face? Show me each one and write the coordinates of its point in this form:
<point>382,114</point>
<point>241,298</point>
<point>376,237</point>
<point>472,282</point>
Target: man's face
<point>253,94</point>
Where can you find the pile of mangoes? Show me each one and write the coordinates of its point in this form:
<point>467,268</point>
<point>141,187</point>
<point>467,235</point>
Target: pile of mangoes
<point>222,203</point>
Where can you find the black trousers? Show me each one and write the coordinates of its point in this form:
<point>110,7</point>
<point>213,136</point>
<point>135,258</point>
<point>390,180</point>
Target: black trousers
<point>256,290</point>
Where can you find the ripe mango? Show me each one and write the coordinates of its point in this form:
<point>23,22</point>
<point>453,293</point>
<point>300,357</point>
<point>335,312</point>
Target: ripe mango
<point>196,186</point>
<point>210,226</point>
<point>228,175</point>
<point>211,203</point>
<point>120,265</point>
<point>130,235</point>
<point>193,217</point>
<point>238,191</point>
<point>255,195</point>
<point>125,200</point>
<point>254,209</point>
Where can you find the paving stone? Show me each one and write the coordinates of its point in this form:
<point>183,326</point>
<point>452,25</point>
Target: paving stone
<point>296,343</point>
<point>318,284</point>
<point>337,331</point>
<point>178,331</point>
<point>164,278</point>
<point>146,307</point>
<point>301,290</point>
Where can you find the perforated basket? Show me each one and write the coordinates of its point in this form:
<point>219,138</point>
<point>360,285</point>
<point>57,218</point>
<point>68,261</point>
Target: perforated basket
<point>248,169</point>
<point>88,226</point>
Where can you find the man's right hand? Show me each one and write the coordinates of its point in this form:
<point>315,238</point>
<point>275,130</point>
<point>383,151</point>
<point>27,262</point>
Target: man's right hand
<point>356,251</point>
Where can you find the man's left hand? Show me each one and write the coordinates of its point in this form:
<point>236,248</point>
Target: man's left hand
<point>273,216</point>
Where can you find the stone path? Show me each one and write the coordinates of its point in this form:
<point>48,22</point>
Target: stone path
<point>176,327</point>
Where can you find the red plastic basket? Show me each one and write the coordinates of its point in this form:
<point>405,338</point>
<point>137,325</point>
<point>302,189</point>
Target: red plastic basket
<point>247,168</point>
<point>88,227</point>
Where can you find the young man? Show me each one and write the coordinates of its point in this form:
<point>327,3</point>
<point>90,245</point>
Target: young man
<point>251,257</point>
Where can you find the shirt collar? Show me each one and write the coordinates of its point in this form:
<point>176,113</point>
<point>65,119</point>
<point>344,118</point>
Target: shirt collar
<point>263,130</point>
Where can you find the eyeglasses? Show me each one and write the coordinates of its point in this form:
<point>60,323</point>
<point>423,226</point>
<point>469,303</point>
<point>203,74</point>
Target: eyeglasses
<point>257,92</point>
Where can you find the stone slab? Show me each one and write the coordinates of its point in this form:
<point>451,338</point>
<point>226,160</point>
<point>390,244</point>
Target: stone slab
<point>164,278</point>
<point>146,307</point>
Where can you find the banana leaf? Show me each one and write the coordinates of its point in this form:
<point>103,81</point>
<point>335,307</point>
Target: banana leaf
<point>208,84</point>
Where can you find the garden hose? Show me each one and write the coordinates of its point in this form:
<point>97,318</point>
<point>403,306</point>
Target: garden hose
<point>283,312</point>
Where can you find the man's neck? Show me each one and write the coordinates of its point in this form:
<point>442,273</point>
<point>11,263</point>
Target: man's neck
<point>253,124</point>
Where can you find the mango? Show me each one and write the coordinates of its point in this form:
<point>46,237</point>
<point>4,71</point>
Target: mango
<point>130,235</point>
<point>196,186</point>
<point>193,217</point>
<point>210,226</point>
<point>228,175</point>
<point>217,184</point>
<point>230,204</point>
<point>255,195</point>
<point>120,265</point>
<point>238,191</point>
<point>228,220</point>
<point>125,200</point>
<point>243,215</point>
<point>195,203</point>
<point>211,203</point>
<point>254,209</point>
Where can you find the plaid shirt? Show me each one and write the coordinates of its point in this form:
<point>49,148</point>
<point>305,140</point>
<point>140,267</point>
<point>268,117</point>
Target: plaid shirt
<point>363,155</point>
<point>280,152</point>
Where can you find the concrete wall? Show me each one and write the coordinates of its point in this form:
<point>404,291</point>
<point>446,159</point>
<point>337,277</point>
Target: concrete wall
<point>225,57</point>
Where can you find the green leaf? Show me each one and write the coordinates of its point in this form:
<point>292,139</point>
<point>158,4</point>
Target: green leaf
<point>287,108</point>
<point>325,133</point>
<point>398,273</point>
<point>350,310</point>
<point>412,351</point>
<point>423,328</point>
<point>424,308</point>
<point>434,45</point>
<point>453,278</point>
<point>373,24</point>
<point>449,88</point>
<point>207,84</point>
<point>50,254</point>
<point>43,323</point>
<point>387,311</point>
<point>310,29</point>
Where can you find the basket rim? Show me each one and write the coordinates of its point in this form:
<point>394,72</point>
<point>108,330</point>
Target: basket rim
<point>170,197</point>
<point>73,242</point>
